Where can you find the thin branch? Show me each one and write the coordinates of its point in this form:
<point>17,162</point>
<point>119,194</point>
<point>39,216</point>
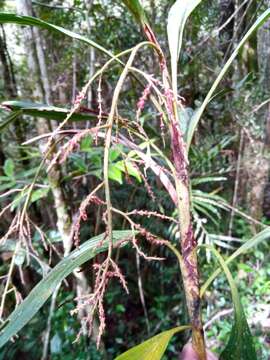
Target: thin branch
<point>236,184</point>
<point>10,271</point>
<point>220,314</point>
<point>141,292</point>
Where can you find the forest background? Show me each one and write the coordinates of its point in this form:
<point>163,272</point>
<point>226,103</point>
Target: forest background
<point>43,71</point>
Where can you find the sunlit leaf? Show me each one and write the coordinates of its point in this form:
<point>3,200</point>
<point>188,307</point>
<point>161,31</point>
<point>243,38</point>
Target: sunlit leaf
<point>86,144</point>
<point>128,167</point>
<point>177,19</point>
<point>115,174</point>
<point>208,179</point>
<point>39,194</point>
<point>152,349</point>
<point>115,152</point>
<point>43,290</point>
<point>9,168</point>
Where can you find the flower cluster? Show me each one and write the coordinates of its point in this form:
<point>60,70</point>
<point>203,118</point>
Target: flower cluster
<point>94,301</point>
<point>91,198</point>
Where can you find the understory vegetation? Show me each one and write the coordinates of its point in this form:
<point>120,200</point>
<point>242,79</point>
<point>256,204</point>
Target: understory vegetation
<point>134,179</point>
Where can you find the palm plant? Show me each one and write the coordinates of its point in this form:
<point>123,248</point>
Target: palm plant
<point>139,153</point>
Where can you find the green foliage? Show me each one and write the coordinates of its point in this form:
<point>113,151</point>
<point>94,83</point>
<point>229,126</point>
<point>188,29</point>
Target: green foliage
<point>207,164</point>
<point>32,21</point>
<point>240,345</point>
<point>9,168</point>
<point>65,327</point>
<point>38,296</point>
<point>196,118</point>
<point>43,111</point>
<point>91,163</point>
<point>152,349</point>
<point>177,19</point>
<point>137,9</point>
<point>198,113</point>
<point>257,239</point>
<point>9,119</point>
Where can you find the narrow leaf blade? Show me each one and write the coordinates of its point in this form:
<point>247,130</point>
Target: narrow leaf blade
<point>151,349</point>
<point>254,241</point>
<point>198,113</point>
<point>177,19</point>
<point>240,345</point>
<point>32,21</point>
<point>9,119</point>
<point>137,10</point>
<point>46,111</point>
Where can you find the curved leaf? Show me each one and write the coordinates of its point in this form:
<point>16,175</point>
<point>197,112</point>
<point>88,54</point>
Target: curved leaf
<point>151,349</point>
<point>208,179</point>
<point>9,119</point>
<point>10,245</point>
<point>137,10</point>
<point>257,239</point>
<point>177,19</point>
<point>240,345</point>
<point>9,168</point>
<point>198,113</point>
<point>46,111</point>
<point>43,290</point>
<point>32,21</point>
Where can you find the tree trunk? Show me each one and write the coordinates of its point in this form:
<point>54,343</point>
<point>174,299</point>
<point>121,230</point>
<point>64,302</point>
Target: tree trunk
<point>8,73</point>
<point>226,33</point>
<point>10,90</point>
<point>37,62</point>
<point>91,52</point>
<point>256,162</point>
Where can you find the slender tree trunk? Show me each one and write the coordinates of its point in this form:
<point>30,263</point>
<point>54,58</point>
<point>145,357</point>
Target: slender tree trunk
<point>8,73</point>
<point>91,53</point>
<point>16,130</point>
<point>42,66</point>
<point>10,88</point>
<point>256,160</point>
<point>24,7</point>
<point>37,62</point>
<point>227,8</point>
